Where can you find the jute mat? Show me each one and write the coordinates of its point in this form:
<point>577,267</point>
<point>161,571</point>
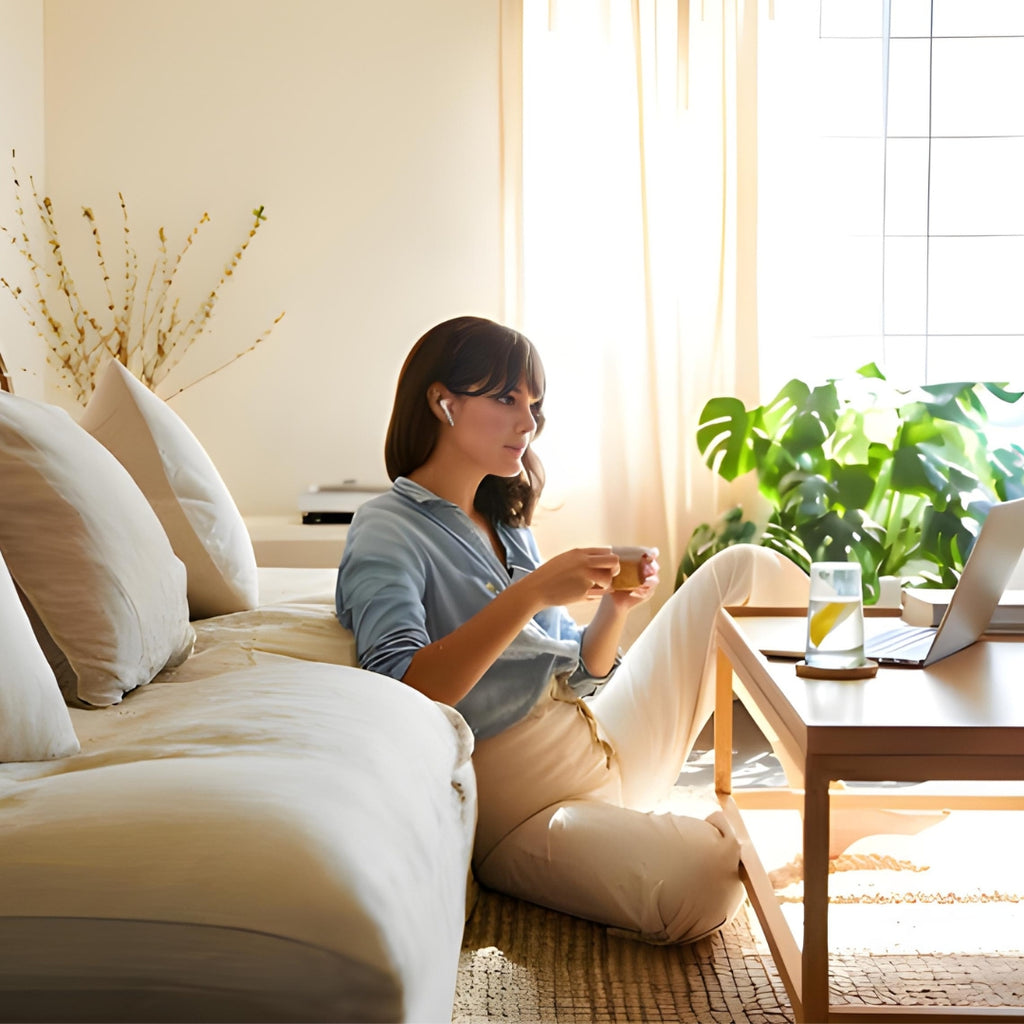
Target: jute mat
<point>523,963</point>
<point>910,922</point>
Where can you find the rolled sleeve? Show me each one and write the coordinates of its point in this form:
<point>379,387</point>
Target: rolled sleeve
<point>381,601</point>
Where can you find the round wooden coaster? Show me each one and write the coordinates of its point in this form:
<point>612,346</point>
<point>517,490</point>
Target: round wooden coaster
<point>865,671</point>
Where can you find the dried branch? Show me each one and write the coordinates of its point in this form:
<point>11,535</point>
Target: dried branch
<point>149,341</point>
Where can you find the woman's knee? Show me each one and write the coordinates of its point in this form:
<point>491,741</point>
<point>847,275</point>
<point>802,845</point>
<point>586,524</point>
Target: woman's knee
<point>703,895</point>
<point>659,877</point>
<point>750,573</point>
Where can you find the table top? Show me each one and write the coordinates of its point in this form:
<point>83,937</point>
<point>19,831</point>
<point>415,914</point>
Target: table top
<point>971,703</point>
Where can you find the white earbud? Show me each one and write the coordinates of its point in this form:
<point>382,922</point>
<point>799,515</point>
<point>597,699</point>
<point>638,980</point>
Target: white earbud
<point>447,411</point>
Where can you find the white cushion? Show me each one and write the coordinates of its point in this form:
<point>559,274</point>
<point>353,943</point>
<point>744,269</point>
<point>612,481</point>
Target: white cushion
<point>34,721</point>
<point>88,553</point>
<point>172,469</point>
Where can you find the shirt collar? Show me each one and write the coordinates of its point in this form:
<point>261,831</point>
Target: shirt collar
<point>417,492</point>
<point>406,488</point>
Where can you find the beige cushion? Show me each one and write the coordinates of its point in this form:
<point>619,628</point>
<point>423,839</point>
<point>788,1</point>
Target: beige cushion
<point>88,553</point>
<point>172,469</point>
<point>34,721</point>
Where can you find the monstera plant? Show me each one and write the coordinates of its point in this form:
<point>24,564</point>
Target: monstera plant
<point>898,479</point>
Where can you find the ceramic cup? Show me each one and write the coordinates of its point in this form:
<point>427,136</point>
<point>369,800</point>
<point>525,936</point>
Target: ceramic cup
<point>628,576</point>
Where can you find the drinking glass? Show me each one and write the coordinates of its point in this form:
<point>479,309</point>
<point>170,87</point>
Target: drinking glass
<point>835,616</point>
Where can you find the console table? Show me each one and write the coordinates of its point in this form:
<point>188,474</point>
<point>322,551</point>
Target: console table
<point>287,541</point>
<point>960,719</point>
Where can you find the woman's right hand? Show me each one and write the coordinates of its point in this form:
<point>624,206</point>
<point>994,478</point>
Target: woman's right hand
<point>575,575</point>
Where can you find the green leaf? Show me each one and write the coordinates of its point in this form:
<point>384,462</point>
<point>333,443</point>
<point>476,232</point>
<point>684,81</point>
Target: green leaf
<point>853,485</point>
<point>950,402</point>
<point>871,370</point>
<point>707,540</point>
<point>999,390</point>
<point>780,411</point>
<point>786,543</point>
<point>1008,471</point>
<point>946,543</point>
<point>810,416</point>
<point>724,437</point>
<point>916,471</point>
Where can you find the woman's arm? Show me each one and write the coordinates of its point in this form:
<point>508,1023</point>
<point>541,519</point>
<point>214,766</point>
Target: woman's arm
<point>447,669</point>
<point>600,644</point>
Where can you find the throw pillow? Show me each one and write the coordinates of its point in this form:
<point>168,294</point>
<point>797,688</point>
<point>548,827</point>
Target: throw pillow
<point>171,467</point>
<point>88,553</point>
<point>34,720</point>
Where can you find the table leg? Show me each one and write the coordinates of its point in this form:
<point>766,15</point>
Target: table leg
<point>814,954</point>
<point>723,724</point>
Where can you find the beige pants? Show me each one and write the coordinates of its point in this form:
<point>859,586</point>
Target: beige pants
<point>572,798</point>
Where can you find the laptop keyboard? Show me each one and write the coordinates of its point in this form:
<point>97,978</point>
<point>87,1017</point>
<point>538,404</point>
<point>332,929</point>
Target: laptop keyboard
<point>896,641</point>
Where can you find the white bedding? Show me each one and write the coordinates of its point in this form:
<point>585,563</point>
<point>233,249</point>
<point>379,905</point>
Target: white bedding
<point>252,836</point>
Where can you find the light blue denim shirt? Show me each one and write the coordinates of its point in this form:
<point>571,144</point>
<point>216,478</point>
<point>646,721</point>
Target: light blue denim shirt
<point>415,568</point>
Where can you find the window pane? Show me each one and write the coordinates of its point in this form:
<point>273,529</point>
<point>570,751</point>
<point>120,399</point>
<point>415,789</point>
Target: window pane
<point>851,18</point>
<point>908,87</point>
<point>906,187</point>
<point>989,359</point>
<point>847,189</point>
<point>975,286</point>
<point>976,186</point>
<point>842,287</point>
<point>906,360</point>
<point>977,87</point>
<point>910,18</point>
<point>979,17</point>
<point>906,282</point>
<point>838,109</point>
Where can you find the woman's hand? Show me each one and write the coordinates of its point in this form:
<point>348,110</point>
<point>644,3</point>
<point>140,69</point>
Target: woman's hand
<point>447,669</point>
<point>575,575</point>
<point>628,599</point>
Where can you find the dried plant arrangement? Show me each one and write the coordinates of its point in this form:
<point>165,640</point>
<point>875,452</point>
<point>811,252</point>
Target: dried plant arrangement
<point>148,333</point>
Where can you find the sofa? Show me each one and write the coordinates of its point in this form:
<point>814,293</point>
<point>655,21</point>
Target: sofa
<point>207,811</point>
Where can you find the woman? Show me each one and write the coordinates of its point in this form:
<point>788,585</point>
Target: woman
<point>444,588</point>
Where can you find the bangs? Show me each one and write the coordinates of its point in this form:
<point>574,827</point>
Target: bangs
<point>496,365</point>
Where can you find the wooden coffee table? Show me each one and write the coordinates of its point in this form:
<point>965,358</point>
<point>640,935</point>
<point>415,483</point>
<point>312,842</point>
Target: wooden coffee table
<point>961,719</point>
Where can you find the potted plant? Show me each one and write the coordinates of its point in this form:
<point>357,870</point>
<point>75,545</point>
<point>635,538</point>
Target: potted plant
<point>898,479</point>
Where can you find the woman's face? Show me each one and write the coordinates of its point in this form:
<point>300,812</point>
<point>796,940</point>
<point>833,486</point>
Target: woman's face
<point>493,431</point>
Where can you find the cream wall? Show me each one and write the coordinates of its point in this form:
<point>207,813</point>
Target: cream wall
<point>21,131</point>
<point>368,130</point>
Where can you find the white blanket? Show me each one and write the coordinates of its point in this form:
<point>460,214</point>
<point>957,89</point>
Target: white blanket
<point>259,834</point>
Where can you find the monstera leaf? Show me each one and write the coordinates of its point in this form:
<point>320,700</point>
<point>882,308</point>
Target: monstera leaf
<point>726,437</point>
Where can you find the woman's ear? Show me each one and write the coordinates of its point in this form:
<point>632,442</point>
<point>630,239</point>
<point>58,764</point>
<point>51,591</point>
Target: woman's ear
<point>440,402</point>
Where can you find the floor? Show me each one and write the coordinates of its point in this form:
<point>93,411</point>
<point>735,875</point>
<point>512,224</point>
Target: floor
<point>754,764</point>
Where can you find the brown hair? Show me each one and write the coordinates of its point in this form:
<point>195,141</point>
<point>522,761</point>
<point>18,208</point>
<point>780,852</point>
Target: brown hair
<point>470,356</point>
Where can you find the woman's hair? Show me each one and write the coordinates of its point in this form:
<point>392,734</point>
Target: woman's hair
<point>470,356</point>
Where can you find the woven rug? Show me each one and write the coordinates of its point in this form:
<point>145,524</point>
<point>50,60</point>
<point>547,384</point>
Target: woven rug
<point>911,922</point>
<point>523,963</point>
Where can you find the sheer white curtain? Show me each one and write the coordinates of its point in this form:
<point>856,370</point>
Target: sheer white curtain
<point>629,131</point>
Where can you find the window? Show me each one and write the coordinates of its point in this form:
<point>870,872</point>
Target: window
<point>891,189</point>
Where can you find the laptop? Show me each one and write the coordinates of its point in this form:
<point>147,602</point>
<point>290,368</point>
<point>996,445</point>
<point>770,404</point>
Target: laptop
<point>985,575</point>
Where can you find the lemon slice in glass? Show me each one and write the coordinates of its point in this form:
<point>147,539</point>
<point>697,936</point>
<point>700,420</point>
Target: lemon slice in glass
<point>825,619</point>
